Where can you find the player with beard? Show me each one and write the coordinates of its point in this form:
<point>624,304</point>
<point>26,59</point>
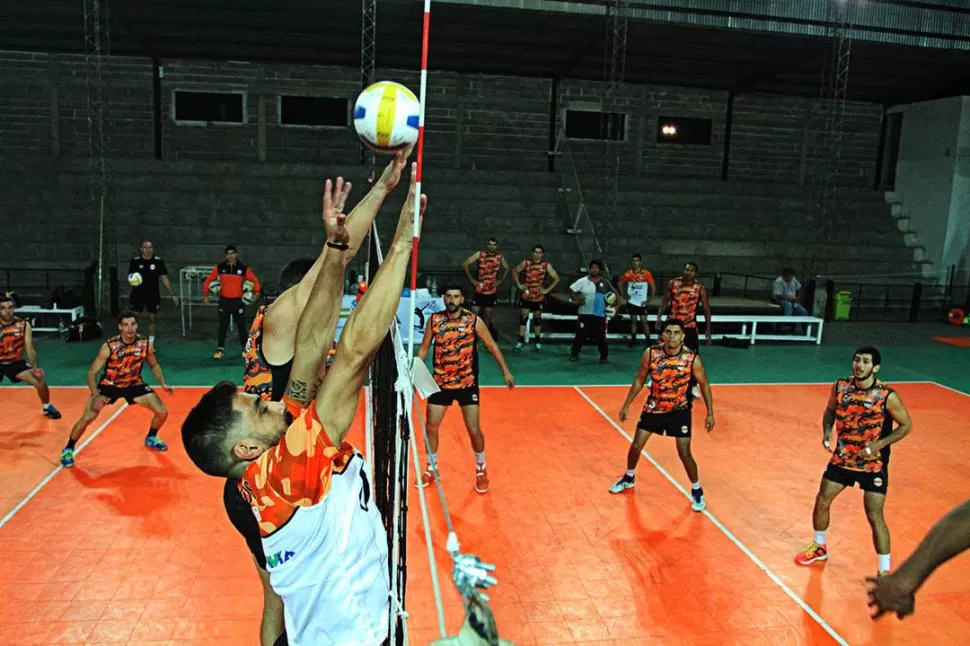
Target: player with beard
<point>863,410</point>
<point>455,333</point>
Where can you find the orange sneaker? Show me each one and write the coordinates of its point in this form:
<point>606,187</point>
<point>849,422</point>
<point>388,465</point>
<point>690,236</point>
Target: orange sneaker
<point>812,553</point>
<point>427,478</point>
<point>481,480</point>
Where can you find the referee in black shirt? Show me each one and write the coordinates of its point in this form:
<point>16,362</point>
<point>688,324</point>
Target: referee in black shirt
<point>147,295</point>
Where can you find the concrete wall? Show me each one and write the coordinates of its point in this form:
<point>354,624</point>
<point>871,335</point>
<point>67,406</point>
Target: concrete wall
<point>257,184</point>
<point>931,177</point>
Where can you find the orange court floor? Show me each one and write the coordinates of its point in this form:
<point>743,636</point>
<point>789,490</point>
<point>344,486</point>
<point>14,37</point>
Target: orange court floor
<point>133,547</point>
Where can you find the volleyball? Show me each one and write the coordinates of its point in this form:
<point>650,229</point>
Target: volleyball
<point>134,279</point>
<point>215,288</point>
<point>386,117</point>
<point>610,298</point>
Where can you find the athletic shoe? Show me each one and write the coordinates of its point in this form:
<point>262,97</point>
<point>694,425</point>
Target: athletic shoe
<point>814,552</point>
<point>481,479</point>
<point>67,458</point>
<point>50,411</point>
<point>699,504</point>
<point>625,482</point>
<point>154,442</point>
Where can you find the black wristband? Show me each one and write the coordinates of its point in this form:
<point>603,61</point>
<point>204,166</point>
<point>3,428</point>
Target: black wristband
<point>338,245</point>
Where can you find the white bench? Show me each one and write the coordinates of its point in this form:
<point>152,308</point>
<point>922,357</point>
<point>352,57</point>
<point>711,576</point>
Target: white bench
<point>813,327</point>
<point>74,313</point>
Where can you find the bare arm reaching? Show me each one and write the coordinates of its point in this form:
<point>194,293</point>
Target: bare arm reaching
<point>279,326</point>
<point>318,323</point>
<point>337,401</point>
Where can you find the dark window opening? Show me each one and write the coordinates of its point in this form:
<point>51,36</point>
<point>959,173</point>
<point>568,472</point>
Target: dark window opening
<point>210,107</point>
<point>313,111</point>
<point>683,130</point>
<point>607,126</point>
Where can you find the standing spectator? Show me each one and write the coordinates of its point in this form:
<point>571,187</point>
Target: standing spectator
<point>238,285</point>
<point>590,293</point>
<point>145,293</point>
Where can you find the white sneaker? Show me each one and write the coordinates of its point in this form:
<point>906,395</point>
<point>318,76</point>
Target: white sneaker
<point>625,482</point>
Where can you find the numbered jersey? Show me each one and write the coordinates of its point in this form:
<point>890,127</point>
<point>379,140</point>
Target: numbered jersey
<point>325,543</point>
<point>638,286</point>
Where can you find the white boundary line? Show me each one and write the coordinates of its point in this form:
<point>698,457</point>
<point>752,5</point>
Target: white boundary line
<point>959,392</point>
<point>734,539</point>
<point>59,468</point>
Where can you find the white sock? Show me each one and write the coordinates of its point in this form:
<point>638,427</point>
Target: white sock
<point>480,460</point>
<point>433,460</point>
<point>631,473</point>
<point>819,538</point>
<point>883,562</point>
<point>695,485</point>
<point>47,405</point>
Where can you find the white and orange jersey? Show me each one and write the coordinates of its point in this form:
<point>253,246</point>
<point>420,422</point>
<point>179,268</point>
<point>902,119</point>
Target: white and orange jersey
<point>325,544</point>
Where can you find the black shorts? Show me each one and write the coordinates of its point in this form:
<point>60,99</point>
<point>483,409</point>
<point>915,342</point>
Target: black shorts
<point>874,481</point>
<point>114,393</point>
<point>532,306</point>
<point>12,369</point>
<point>140,302</point>
<point>485,300</point>
<point>464,397</point>
<point>692,340</point>
<point>673,424</point>
<point>636,310</point>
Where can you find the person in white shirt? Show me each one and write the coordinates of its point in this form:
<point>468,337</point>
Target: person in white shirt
<point>590,293</point>
<point>785,292</point>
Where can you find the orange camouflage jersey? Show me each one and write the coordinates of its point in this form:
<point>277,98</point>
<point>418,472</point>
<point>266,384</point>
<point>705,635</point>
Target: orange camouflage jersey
<point>296,472</point>
<point>535,278</point>
<point>488,266</point>
<point>455,350</point>
<point>258,378</point>
<point>13,340</point>
<point>642,276</point>
<point>669,380</point>
<point>125,362</point>
<point>683,301</point>
<point>860,418</point>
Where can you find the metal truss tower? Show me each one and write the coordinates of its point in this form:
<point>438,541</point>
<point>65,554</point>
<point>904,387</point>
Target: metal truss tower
<point>368,49</point>
<point>824,207</point>
<point>97,47</point>
<point>617,18</point>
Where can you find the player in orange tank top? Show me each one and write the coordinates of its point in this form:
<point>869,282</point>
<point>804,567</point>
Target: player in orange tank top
<point>455,333</point>
<point>530,277</point>
<point>16,340</point>
<point>671,367</point>
<point>682,296</point>
<point>121,359</point>
<point>862,409</point>
<point>493,269</point>
<point>637,286</point>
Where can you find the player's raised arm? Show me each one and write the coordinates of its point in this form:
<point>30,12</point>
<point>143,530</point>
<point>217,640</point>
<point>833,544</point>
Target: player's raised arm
<point>366,329</point>
<point>318,323</point>
<point>279,326</point>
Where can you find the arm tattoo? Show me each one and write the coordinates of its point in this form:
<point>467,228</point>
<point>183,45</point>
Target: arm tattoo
<point>297,390</point>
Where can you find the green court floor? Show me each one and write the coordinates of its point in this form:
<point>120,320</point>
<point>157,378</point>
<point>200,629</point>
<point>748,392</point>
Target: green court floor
<point>909,354</point>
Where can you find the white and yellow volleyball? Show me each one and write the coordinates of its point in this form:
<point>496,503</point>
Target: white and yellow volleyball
<point>134,279</point>
<point>386,117</point>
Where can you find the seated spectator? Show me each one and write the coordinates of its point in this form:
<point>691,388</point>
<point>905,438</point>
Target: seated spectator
<point>786,292</point>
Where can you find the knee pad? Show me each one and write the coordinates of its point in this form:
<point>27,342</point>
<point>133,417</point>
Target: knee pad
<point>523,319</point>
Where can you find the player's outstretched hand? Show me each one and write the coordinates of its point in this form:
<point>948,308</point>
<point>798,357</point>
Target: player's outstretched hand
<point>334,199</point>
<point>890,593</point>
<point>392,172</point>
